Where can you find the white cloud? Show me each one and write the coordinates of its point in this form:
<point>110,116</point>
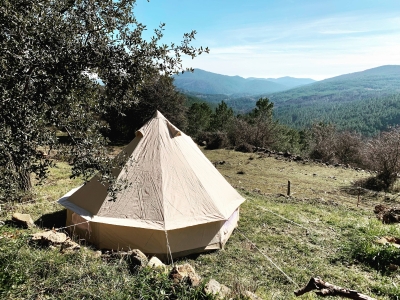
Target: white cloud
<point>318,48</point>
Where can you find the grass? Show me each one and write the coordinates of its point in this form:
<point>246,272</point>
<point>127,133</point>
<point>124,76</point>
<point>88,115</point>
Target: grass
<point>336,240</point>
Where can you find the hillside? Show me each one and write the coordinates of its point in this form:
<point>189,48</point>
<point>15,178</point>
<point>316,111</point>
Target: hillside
<point>204,82</point>
<point>363,97</point>
<point>367,101</point>
<point>319,230</point>
<point>372,83</point>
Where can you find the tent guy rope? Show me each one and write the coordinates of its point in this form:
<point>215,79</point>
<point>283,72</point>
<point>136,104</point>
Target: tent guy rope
<point>282,217</point>
<point>169,248</point>
<point>73,225</point>
<point>268,258</point>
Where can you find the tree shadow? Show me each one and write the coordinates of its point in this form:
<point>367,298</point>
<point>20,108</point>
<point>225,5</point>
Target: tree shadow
<point>52,220</point>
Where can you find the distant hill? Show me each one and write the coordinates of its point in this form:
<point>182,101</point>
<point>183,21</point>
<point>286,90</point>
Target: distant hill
<point>371,93</point>
<point>204,82</point>
<point>290,82</point>
<point>376,82</point>
<point>367,101</point>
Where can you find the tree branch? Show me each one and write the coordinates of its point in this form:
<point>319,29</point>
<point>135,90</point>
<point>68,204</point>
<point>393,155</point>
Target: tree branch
<point>326,289</point>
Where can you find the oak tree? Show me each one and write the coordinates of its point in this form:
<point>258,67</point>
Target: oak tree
<point>53,57</point>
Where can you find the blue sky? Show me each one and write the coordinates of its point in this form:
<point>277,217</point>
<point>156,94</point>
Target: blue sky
<point>273,38</point>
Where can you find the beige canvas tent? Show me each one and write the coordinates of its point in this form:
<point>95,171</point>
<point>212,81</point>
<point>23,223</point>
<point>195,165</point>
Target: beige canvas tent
<point>175,197</point>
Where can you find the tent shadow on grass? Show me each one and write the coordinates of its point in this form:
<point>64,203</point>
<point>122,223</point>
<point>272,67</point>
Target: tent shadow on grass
<point>52,220</point>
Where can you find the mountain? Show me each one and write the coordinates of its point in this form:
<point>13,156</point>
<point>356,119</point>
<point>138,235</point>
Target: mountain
<point>379,81</point>
<point>366,101</point>
<point>292,82</point>
<point>204,82</point>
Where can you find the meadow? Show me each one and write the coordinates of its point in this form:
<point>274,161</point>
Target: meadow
<point>326,227</point>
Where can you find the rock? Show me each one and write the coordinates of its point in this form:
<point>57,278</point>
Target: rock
<point>287,154</point>
<point>251,295</point>
<point>2,223</point>
<point>185,273</point>
<point>203,143</point>
<point>49,238</point>
<point>214,288</point>
<point>23,220</point>
<point>97,254</point>
<point>70,245</point>
<point>138,258</point>
<point>155,263</point>
<point>297,158</point>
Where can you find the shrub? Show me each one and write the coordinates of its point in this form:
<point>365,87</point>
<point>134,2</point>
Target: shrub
<point>214,140</point>
<point>382,154</point>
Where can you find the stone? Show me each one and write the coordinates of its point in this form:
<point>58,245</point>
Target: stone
<point>216,289</point>
<point>297,158</point>
<point>155,263</point>
<point>23,220</point>
<point>138,258</point>
<point>251,295</point>
<point>49,237</point>
<point>69,245</point>
<point>185,273</point>
<point>97,254</point>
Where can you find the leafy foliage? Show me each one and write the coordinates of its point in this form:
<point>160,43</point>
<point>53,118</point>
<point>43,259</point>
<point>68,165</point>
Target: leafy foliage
<point>157,94</point>
<point>221,118</point>
<point>53,54</point>
<point>199,117</point>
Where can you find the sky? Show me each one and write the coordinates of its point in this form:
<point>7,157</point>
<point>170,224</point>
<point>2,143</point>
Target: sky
<point>315,39</point>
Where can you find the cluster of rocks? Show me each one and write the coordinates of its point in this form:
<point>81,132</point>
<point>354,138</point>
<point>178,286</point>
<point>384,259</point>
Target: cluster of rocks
<point>49,238</point>
<point>280,155</point>
<point>54,240</point>
<point>135,258</point>
<point>185,273</point>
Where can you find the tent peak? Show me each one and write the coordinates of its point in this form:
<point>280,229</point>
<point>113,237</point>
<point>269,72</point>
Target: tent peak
<point>157,114</point>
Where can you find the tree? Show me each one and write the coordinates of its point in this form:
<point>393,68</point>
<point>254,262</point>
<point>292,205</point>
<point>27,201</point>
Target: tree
<point>322,140</point>
<point>221,118</point>
<point>383,155</point>
<point>53,54</point>
<point>263,124</point>
<point>157,94</point>
<point>199,116</point>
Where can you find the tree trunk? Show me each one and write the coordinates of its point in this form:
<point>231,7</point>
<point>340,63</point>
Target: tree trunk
<point>24,183</point>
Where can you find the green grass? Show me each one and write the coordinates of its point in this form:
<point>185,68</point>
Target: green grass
<point>336,240</point>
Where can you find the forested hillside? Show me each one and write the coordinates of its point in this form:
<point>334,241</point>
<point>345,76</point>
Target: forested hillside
<point>372,83</point>
<point>367,101</point>
<point>367,116</point>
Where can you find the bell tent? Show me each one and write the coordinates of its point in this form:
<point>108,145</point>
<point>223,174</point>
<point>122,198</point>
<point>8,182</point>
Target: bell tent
<point>175,203</point>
